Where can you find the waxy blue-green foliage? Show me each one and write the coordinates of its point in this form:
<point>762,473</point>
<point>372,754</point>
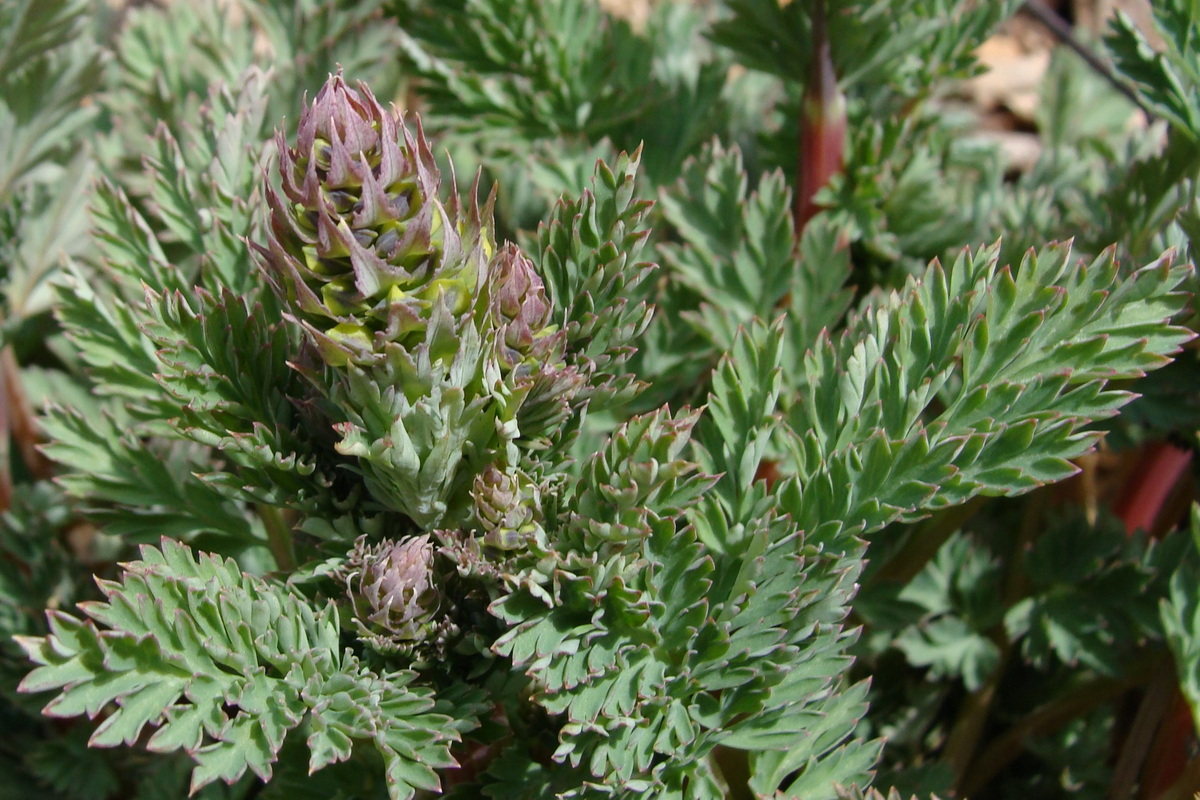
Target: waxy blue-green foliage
<point>48,64</point>
<point>1165,80</point>
<point>225,666</point>
<point>403,582</point>
<point>651,622</point>
<point>1017,358</point>
<point>616,532</point>
<point>597,78</point>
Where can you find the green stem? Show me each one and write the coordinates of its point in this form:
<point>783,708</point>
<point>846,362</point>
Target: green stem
<point>279,537</point>
<point>964,737</point>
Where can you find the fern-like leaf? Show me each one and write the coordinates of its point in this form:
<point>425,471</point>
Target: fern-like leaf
<point>225,666</point>
<point>587,256</point>
<point>1018,360</point>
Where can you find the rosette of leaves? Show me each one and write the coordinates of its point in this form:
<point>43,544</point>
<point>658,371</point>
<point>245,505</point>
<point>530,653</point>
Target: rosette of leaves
<point>508,509</point>
<point>440,343</point>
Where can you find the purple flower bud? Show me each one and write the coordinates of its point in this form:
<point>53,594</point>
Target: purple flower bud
<point>358,240</point>
<point>518,304</point>
<point>393,591</point>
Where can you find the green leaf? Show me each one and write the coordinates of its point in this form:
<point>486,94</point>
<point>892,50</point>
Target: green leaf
<point>511,73</point>
<point>871,40</point>
<point>1167,80</point>
<point>738,257</point>
<point>225,665</point>
<point>47,68</point>
<point>1093,592</point>
<point>741,419</point>
<point>155,484</point>
<point>653,657</point>
<point>205,189</point>
<point>225,363</point>
<point>949,647</point>
<point>638,473</point>
<point>418,428</point>
<point>1180,613</point>
<point>587,256</point>
<point>71,768</point>
<point>1016,361</point>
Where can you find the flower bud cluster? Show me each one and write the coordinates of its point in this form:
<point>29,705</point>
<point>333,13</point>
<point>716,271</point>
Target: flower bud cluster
<point>394,592</point>
<point>437,345</point>
<point>359,245</point>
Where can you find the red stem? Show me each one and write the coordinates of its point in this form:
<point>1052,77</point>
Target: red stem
<point>822,125</point>
<point>1158,472</point>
